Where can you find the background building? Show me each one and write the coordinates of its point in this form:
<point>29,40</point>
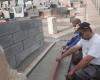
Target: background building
<point>97,5</point>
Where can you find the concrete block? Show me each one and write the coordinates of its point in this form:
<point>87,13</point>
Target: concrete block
<point>14,49</point>
<point>59,12</point>
<point>26,53</point>
<point>35,26</point>
<point>25,25</point>
<point>11,53</point>
<point>40,28</point>
<point>12,61</point>
<point>29,42</point>
<point>6,41</point>
<point>33,23</point>
<point>20,39</point>
<point>42,38</point>
<point>28,24</point>
<point>36,22</point>
<point>39,37</point>
<point>19,36</point>
<point>41,43</point>
<point>33,32</point>
<point>40,25</point>
<point>8,28</point>
<point>34,40</point>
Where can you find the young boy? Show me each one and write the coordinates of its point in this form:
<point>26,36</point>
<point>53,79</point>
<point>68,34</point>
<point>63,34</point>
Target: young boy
<point>75,38</point>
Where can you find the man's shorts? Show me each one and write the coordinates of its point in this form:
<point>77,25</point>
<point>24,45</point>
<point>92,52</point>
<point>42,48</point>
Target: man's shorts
<point>90,72</point>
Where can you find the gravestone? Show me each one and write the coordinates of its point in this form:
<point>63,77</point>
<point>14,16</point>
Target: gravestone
<point>20,2</point>
<point>52,29</point>
<point>6,14</point>
<point>18,11</point>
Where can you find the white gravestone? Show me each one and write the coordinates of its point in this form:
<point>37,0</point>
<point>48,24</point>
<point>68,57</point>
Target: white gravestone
<point>18,11</point>
<point>52,29</point>
<point>6,14</point>
<point>28,3</point>
<point>5,4</point>
<point>21,2</point>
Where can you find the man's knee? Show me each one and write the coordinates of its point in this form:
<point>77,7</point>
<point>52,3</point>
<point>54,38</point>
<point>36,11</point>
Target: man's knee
<point>74,77</point>
<point>87,73</point>
<point>81,75</point>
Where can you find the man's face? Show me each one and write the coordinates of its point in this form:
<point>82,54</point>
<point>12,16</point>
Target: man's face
<point>86,35</point>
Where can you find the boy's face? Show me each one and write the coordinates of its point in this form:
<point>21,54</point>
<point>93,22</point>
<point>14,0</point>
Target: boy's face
<point>76,26</point>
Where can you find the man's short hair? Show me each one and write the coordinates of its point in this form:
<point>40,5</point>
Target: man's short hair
<point>85,26</point>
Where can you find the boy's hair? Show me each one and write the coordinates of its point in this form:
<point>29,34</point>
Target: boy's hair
<point>76,21</point>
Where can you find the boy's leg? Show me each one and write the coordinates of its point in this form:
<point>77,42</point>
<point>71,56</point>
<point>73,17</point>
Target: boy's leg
<point>76,57</point>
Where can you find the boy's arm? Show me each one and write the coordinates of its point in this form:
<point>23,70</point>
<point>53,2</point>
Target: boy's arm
<point>71,51</point>
<point>77,38</point>
<point>73,41</point>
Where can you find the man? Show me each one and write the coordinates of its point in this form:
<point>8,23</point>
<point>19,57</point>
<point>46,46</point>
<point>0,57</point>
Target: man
<point>89,67</point>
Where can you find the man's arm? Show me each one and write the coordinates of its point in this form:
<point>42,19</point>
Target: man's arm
<point>92,53</point>
<point>68,52</point>
<point>84,62</point>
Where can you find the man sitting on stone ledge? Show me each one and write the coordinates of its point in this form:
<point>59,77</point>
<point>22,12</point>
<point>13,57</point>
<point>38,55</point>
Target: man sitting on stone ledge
<point>89,66</point>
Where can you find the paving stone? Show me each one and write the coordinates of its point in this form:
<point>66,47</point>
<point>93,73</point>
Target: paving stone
<point>25,25</point>
<point>39,37</point>
<point>29,42</point>
<point>6,41</point>
<point>33,32</point>
<point>19,36</point>
<point>11,53</point>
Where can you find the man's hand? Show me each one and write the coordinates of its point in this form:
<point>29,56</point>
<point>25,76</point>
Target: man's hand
<point>71,73</point>
<point>83,63</point>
